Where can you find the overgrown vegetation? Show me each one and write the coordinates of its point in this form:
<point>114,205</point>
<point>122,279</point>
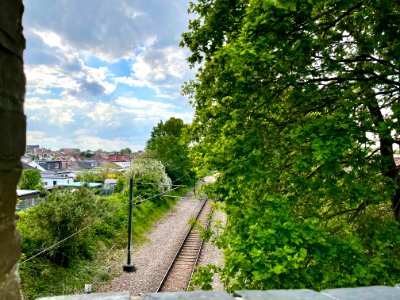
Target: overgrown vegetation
<point>100,225</point>
<point>297,108</point>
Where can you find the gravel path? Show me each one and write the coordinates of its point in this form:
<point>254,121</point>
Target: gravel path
<point>153,258</point>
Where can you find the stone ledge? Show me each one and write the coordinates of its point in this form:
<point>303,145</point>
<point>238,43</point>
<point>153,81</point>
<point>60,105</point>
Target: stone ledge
<point>100,296</point>
<point>358,293</point>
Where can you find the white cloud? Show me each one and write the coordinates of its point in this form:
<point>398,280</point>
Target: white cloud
<point>40,91</point>
<point>50,38</point>
<point>107,29</point>
<point>130,81</point>
<point>88,62</point>
<point>45,77</point>
<point>163,70</point>
<point>93,142</point>
<point>80,141</point>
<point>40,137</point>
<point>98,76</point>
<point>142,104</point>
<point>105,113</point>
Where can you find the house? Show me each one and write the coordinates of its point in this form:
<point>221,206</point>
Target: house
<point>51,179</point>
<point>69,151</point>
<point>27,198</point>
<point>43,154</point>
<point>50,165</point>
<point>90,163</point>
<point>35,165</point>
<point>124,161</point>
<point>101,160</point>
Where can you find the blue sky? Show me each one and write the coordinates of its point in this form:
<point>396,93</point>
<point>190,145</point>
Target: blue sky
<point>101,73</point>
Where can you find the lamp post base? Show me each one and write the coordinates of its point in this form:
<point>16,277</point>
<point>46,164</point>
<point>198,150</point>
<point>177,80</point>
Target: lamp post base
<point>129,268</point>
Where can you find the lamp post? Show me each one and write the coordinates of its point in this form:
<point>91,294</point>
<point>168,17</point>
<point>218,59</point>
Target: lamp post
<point>129,267</point>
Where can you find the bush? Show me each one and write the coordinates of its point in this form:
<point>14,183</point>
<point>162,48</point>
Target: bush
<point>64,213</point>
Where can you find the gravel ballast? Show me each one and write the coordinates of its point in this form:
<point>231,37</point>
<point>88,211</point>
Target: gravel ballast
<point>154,257</point>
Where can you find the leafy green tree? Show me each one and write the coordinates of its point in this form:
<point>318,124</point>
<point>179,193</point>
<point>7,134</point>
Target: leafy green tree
<point>30,180</point>
<point>297,108</point>
<point>168,144</point>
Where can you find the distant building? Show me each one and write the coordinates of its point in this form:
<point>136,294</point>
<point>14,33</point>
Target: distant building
<point>31,148</point>
<point>35,165</point>
<point>51,165</point>
<point>124,161</point>
<point>89,163</point>
<point>69,151</point>
<point>27,198</point>
<point>51,179</point>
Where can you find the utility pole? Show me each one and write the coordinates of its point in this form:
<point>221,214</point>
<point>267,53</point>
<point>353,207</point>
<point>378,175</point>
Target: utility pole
<point>129,267</point>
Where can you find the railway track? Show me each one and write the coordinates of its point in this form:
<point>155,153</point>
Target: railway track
<point>179,273</point>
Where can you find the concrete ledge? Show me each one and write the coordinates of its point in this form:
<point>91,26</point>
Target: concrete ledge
<point>359,293</point>
<point>281,295</point>
<point>198,295</point>
<point>365,293</point>
<point>99,296</point>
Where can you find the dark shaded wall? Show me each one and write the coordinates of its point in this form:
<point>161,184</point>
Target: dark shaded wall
<point>12,140</point>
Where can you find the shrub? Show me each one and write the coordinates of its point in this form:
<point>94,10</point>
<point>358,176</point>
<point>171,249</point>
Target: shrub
<point>64,213</point>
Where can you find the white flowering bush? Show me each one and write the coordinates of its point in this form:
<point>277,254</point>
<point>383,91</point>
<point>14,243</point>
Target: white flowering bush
<point>149,177</point>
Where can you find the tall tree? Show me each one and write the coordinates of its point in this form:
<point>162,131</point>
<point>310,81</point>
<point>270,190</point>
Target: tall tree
<point>167,144</point>
<point>297,106</point>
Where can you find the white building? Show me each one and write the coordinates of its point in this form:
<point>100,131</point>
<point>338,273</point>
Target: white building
<point>50,180</point>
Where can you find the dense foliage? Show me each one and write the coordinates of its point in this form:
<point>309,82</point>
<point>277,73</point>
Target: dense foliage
<point>297,108</point>
<point>91,232</point>
<point>168,144</point>
<point>30,180</point>
<point>62,214</point>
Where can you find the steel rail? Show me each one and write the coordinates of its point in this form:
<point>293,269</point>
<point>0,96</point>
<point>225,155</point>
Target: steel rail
<point>200,249</point>
<point>175,259</point>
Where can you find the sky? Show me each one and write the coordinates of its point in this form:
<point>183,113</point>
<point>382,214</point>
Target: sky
<point>101,74</point>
